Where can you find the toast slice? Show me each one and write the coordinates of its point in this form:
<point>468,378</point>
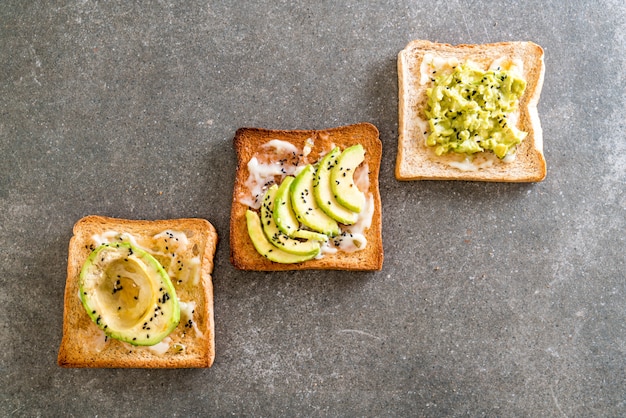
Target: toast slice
<point>416,161</point>
<point>303,147</point>
<point>192,343</point>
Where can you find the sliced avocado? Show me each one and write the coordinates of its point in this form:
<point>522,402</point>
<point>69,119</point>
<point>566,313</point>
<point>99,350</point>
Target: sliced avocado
<point>283,213</point>
<point>312,235</point>
<point>276,237</point>
<point>324,195</point>
<point>342,178</point>
<point>265,247</point>
<point>128,294</point>
<point>306,208</point>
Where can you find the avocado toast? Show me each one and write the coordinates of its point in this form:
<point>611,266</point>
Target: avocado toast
<point>290,208</point>
<point>469,112</point>
<point>139,294</point>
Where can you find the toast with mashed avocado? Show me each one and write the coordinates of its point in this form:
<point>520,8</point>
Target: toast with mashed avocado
<point>469,112</point>
<point>307,199</point>
<point>139,294</point>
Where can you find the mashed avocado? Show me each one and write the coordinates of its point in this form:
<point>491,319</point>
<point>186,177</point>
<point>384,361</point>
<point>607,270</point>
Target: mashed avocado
<point>467,111</point>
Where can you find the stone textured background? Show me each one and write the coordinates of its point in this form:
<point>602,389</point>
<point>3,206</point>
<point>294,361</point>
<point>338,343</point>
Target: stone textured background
<point>494,299</point>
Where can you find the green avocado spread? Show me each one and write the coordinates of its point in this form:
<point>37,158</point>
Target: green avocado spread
<point>467,111</point>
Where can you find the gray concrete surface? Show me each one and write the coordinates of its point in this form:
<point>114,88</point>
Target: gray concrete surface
<point>494,299</point>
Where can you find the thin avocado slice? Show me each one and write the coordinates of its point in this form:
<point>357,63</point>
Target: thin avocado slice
<point>265,247</point>
<point>306,208</point>
<point>312,235</point>
<point>324,195</point>
<point>342,178</point>
<point>283,213</point>
<point>276,237</point>
<point>128,294</point>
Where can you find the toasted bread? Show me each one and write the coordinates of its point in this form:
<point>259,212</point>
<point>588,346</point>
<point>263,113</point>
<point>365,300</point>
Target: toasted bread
<point>249,142</point>
<point>190,344</point>
<point>416,161</point>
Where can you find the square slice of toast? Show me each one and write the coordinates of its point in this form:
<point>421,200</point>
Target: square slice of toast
<point>416,161</point>
<point>185,248</point>
<point>308,147</point>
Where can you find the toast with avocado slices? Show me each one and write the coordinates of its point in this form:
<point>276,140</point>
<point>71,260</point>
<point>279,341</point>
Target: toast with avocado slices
<point>139,294</point>
<point>469,112</point>
<point>307,199</point>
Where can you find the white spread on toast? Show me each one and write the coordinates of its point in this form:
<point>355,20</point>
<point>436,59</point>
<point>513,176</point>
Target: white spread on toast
<point>161,347</point>
<point>352,237</point>
<point>263,171</point>
<point>280,146</point>
<point>173,250</point>
<point>98,339</point>
<point>515,66</point>
<point>308,146</point>
<point>432,62</point>
<point>362,177</point>
<point>470,165</point>
<point>482,160</point>
<point>284,159</point>
<point>261,176</point>
<point>187,310</point>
